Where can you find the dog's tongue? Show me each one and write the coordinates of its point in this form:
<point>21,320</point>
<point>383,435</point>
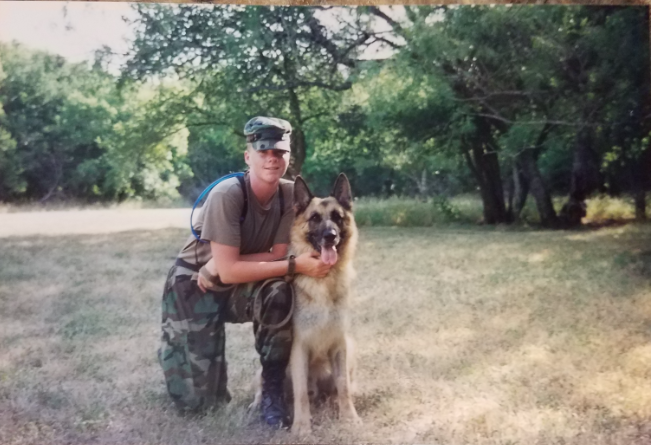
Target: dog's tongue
<point>329,255</point>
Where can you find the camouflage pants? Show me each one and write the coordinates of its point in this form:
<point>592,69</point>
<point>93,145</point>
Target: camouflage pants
<point>193,340</point>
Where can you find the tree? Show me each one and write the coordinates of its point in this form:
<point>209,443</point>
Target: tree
<point>11,182</point>
<point>607,71</point>
<point>78,136</point>
<point>249,60</point>
<point>476,56</point>
<point>520,75</point>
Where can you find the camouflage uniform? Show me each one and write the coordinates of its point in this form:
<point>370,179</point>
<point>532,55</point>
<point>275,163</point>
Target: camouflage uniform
<point>192,349</point>
<point>193,340</point>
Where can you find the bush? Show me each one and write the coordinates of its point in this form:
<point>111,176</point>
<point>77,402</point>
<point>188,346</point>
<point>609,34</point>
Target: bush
<point>407,212</point>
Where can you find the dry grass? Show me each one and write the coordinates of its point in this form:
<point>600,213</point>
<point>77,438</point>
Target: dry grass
<point>465,336</point>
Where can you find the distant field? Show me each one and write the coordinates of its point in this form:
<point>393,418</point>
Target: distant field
<point>466,335</point>
<point>95,221</point>
<point>61,218</point>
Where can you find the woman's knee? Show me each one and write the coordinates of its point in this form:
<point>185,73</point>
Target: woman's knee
<point>278,296</point>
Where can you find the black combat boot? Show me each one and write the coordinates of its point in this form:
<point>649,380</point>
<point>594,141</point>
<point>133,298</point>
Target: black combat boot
<point>274,409</point>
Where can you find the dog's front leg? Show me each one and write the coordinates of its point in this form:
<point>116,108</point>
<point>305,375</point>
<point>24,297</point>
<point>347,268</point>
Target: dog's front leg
<point>257,386</point>
<point>342,381</point>
<point>299,370</point>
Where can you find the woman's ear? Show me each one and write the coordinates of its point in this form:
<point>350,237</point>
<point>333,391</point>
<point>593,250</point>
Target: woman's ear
<point>246,157</point>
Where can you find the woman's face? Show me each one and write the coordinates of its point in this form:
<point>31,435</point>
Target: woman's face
<point>267,165</point>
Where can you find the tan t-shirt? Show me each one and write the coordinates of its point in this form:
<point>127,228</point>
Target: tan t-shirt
<point>218,220</point>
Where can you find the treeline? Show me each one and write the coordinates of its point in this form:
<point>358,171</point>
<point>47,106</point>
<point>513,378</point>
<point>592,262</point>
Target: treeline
<point>430,100</point>
<point>69,131</point>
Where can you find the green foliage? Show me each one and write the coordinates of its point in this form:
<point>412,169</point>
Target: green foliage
<point>69,132</point>
<point>462,84</point>
<point>501,79</point>
<point>212,152</point>
<point>147,146</point>
<point>11,181</point>
<point>246,61</point>
<point>446,208</point>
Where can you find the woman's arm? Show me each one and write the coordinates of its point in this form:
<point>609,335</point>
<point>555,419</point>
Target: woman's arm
<point>277,251</point>
<point>227,263</point>
<point>231,268</point>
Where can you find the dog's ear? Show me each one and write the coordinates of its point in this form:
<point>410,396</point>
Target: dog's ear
<point>342,193</point>
<point>302,196</point>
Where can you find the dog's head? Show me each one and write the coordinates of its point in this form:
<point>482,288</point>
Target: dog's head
<point>324,223</point>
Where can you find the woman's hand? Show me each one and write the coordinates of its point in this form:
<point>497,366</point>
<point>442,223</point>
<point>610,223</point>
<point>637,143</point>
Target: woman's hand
<point>309,263</point>
<point>203,283</point>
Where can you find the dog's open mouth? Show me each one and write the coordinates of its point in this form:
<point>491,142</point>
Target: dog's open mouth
<point>329,254</point>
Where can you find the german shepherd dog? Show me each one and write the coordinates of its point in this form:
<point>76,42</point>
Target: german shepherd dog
<point>321,348</point>
<point>322,357</point>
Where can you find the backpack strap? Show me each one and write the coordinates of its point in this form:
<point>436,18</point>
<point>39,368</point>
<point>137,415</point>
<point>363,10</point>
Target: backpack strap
<point>282,199</point>
<point>245,208</point>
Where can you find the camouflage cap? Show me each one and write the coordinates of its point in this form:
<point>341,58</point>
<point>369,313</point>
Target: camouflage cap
<point>268,133</point>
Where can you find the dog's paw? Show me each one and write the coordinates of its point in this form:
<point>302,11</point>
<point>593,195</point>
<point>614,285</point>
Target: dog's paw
<point>301,429</point>
<point>352,418</point>
<point>255,405</point>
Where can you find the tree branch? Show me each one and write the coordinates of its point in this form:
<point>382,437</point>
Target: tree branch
<point>387,41</point>
<point>395,25</point>
<point>318,36</point>
<point>541,122</point>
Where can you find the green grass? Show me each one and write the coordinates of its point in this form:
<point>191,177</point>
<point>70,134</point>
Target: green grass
<point>467,209</point>
<point>465,334</point>
<point>410,212</point>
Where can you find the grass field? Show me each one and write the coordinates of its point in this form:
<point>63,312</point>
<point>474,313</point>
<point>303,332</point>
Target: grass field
<point>466,335</point>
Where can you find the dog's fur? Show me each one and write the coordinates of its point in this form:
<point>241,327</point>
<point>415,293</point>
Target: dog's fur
<point>322,358</point>
<point>320,344</point>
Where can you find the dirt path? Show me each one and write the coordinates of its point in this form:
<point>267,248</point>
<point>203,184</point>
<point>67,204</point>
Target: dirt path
<point>90,221</point>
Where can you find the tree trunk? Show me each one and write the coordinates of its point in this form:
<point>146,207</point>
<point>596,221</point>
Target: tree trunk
<point>585,179</point>
<point>486,171</point>
<point>534,179</point>
<point>640,205</point>
<point>488,168</point>
<point>509,190</point>
<point>297,138</point>
<point>641,180</point>
<point>494,190</point>
<point>644,167</point>
<point>422,185</point>
<point>519,192</point>
<point>298,153</point>
<point>57,169</point>
<point>636,174</point>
